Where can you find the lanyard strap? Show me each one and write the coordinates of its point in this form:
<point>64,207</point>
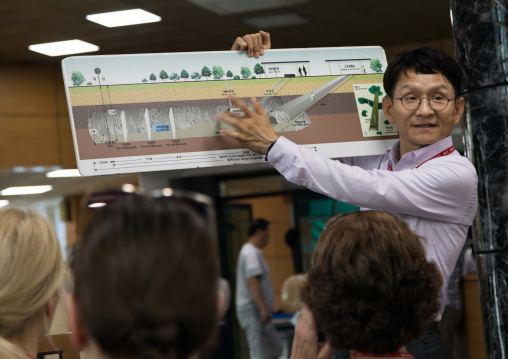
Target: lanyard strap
<point>441,154</point>
<point>392,355</point>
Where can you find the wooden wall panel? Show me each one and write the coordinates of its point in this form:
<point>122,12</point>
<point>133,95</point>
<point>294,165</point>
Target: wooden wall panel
<point>68,156</point>
<point>27,90</point>
<point>473,317</point>
<point>34,121</point>
<point>28,141</point>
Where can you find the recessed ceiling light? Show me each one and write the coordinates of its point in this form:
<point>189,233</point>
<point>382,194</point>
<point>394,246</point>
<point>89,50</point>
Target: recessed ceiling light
<point>14,191</point>
<point>63,173</point>
<point>123,18</point>
<point>4,202</point>
<point>60,48</point>
<point>97,205</point>
<point>271,21</point>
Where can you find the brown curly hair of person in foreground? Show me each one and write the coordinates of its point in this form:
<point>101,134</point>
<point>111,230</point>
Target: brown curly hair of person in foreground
<point>370,286</point>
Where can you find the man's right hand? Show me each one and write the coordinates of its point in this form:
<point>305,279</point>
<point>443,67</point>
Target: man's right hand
<point>266,316</point>
<point>254,44</point>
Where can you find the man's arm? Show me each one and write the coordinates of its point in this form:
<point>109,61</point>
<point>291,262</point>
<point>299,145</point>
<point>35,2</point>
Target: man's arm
<point>443,189</point>
<point>255,289</point>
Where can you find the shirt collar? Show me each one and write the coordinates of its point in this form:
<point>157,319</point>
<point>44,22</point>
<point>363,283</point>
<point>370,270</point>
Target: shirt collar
<point>422,154</point>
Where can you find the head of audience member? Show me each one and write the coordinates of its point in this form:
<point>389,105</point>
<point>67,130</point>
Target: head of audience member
<point>31,274</point>
<point>370,286</point>
<point>259,233</point>
<point>145,281</point>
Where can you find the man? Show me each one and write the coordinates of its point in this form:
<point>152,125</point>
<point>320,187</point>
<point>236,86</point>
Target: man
<point>254,294</point>
<point>421,179</point>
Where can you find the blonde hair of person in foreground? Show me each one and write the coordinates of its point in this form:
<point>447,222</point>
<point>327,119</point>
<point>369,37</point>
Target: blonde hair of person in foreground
<point>31,273</point>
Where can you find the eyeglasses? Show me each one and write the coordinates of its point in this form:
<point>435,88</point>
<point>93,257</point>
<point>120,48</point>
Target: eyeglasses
<point>412,102</point>
<point>200,203</point>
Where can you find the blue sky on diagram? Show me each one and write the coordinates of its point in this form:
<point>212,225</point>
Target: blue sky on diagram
<point>127,69</point>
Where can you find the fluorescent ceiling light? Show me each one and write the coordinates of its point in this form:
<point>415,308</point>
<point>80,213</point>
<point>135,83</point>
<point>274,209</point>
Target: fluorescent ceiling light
<point>14,191</point>
<point>97,205</point>
<point>268,22</point>
<point>63,173</point>
<point>63,47</point>
<point>228,7</point>
<point>123,18</point>
<point>4,202</point>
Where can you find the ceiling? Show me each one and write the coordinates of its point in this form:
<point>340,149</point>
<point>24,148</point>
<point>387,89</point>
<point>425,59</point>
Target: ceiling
<point>188,27</point>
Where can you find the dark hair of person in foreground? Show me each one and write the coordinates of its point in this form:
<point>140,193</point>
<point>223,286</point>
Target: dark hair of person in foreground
<point>370,286</point>
<point>146,279</point>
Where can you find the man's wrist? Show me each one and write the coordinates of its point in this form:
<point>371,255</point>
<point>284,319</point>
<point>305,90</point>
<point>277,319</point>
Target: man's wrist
<point>268,148</point>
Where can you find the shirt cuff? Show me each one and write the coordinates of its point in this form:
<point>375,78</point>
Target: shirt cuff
<point>283,154</point>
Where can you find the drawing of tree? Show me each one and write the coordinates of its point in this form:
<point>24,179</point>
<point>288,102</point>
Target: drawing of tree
<point>375,65</point>
<point>259,70</point>
<point>195,76</point>
<point>253,77</point>
<point>236,77</point>
<point>205,71</point>
<point>89,84</point>
<point>374,119</point>
<point>153,77</point>
<point>184,75</point>
<point>174,77</point>
<point>375,104</point>
<point>144,80</point>
<point>217,72</point>
<point>163,75</point>
<point>77,78</point>
<point>245,72</point>
<point>229,73</point>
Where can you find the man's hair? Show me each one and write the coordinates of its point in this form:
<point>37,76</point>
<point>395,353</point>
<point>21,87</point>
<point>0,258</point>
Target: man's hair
<point>370,286</point>
<point>256,224</point>
<point>423,60</point>
<point>146,279</point>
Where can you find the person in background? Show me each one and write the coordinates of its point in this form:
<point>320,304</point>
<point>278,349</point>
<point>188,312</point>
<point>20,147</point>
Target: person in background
<point>145,282</point>
<point>421,179</point>
<point>370,288</point>
<point>31,275</point>
<point>254,294</point>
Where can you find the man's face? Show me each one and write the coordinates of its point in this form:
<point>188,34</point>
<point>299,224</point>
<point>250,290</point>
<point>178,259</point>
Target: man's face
<point>423,126</point>
<point>264,235</point>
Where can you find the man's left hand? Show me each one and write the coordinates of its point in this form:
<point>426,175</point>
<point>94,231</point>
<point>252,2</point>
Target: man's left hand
<point>255,131</point>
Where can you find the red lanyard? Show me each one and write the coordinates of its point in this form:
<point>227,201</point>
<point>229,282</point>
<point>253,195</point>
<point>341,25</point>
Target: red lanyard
<point>392,355</point>
<point>441,154</point>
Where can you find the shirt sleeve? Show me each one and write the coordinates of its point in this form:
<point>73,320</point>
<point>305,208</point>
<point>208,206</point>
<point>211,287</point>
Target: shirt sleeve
<point>443,189</point>
<point>252,265</point>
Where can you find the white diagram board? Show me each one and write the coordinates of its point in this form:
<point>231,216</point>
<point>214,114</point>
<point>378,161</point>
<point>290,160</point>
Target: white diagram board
<point>149,112</point>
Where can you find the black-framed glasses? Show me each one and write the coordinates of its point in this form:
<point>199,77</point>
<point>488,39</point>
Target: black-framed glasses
<point>412,102</point>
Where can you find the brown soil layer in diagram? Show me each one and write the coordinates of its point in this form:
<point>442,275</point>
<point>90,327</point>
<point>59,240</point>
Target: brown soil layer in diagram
<point>326,128</point>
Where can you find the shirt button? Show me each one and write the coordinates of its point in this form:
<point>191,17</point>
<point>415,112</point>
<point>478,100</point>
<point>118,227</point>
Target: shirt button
<point>304,184</point>
<point>277,164</point>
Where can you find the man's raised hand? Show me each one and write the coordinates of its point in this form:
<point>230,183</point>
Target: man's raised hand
<point>255,44</point>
